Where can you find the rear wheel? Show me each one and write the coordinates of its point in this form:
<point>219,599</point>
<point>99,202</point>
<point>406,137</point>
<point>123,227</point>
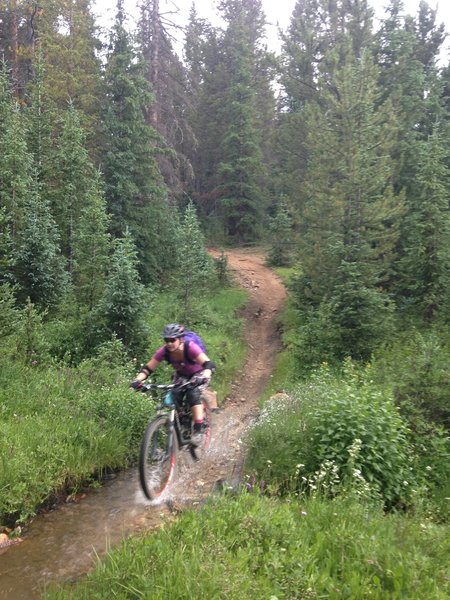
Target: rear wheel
<point>158,455</point>
<point>198,451</point>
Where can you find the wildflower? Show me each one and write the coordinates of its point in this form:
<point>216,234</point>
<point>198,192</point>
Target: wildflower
<point>304,513</point>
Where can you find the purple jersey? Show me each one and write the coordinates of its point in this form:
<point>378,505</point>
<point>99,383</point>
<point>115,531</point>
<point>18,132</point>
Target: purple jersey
<point>182,367</point>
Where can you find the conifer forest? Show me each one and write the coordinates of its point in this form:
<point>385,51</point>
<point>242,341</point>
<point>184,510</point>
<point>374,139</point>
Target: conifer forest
<point>129,155</point>
<point>336,150</point>
<point>125,153</point>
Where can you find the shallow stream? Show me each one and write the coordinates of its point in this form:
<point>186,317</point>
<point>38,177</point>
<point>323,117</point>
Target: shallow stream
<point>65,542</point>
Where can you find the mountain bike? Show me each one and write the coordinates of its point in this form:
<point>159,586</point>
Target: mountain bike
<point>166,434</point>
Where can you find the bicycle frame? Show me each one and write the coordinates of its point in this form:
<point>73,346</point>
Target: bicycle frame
<point>168,431</point>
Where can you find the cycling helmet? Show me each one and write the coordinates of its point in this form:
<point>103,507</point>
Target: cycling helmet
<point>173,330</point>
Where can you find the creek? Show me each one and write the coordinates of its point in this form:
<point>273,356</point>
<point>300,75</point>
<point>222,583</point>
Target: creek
<point>63,543</point>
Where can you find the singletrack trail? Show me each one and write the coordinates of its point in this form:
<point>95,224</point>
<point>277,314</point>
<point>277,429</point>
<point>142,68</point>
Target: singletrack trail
<point>63,544</point>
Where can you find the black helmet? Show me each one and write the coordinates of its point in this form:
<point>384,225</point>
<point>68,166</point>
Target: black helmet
<point>173,330</point>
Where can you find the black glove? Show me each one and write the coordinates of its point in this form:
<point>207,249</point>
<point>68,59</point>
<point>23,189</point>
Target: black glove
<point>136,385</point>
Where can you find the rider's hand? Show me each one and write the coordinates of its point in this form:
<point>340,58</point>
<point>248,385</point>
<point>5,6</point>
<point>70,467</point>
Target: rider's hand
<point>199,380</point>
<point>136,384</point>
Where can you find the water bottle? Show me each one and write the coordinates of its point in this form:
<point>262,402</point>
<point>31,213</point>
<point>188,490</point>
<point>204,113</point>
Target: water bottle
<point>168,399</point>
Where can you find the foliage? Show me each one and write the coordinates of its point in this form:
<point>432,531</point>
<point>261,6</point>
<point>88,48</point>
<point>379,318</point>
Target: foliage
<point>38,265</point>
<point>122,307</point>
<point>416,365</point>
<point>194,268</point>
<point>248,544</point>
<point>61,426</point>
<point>280,252</point>
<point>135,192</point>
<point>316,426</point>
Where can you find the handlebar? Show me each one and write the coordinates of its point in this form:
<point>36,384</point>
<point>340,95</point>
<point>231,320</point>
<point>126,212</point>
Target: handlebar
<point>170,386</point>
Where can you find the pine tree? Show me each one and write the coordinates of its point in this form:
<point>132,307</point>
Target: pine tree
<point>73,179</point>
<point>351,218</point>
<point>16,170</point>
<point>240,191</point>
<point>194,265</point>
<point>314,47</point>
<point>135,192</point>
<point>67,35</point>
<point>91,248</point>
<point>38,265</point>
<point>121,310</point>
<point>280,253</point>
<point>424,266</point>
<point>167,112</point>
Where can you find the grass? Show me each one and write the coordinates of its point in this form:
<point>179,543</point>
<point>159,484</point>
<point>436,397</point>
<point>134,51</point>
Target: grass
<point>249,546</point>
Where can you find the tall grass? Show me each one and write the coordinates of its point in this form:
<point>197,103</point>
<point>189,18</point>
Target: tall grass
<point>250,546</point>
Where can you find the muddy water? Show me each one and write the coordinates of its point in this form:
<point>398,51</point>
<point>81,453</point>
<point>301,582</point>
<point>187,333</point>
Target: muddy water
<point>65,542</point>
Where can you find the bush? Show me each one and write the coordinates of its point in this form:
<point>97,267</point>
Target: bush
<point>346,426</point>
<point>416,365</point>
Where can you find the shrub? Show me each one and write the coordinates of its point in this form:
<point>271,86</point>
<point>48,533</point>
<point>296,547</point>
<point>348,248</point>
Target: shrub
<point>416,365</point>
<point>347,423</point>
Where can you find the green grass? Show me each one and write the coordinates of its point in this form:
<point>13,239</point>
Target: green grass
<point>59,427</point>
<point>248,546</point>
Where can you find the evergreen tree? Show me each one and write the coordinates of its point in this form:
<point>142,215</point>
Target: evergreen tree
<point>121,310</point>
<point>38,265</point>
<point>16,170</point>
<point>91,248</point>
<point>167,112</point>
<point>68,36</point>
<point>241,171</point>
<point>424,267</point>
<point>73,179</point>
<point>40,118</point>
<point>135,192</point>
<point>194,265</point>
<point>6,252</point>
<point>314,47</point>
<point>280,253</point>
<point>351,217</point>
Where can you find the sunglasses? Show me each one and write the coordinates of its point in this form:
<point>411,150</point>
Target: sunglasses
<point>169,340</point>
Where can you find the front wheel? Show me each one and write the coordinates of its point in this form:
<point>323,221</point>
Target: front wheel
<point>158,455</point>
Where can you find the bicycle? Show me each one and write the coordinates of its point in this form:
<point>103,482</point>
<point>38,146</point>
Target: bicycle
<point>165,435</point>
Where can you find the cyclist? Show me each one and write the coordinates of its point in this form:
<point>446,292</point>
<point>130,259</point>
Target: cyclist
<point>195,367</point>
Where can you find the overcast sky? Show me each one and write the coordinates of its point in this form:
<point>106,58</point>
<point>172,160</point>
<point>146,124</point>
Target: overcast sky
<point>278,12</point>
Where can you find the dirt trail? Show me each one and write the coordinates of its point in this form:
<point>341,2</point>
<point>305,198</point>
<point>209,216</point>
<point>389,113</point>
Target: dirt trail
<point>63,544</point>
<point>266,296</point>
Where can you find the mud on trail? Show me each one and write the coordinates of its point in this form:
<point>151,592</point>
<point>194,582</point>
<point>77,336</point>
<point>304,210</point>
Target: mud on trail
<point>62,544</point>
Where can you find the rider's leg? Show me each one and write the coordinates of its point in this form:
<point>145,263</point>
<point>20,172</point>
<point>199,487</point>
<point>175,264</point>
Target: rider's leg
<point>196,404</point>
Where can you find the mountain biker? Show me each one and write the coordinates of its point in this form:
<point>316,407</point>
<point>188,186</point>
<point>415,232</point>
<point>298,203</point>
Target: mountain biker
<point>197,368</point>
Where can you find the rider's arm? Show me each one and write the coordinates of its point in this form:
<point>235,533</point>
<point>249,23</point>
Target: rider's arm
<point>147,369</point>
<point>208,365</point>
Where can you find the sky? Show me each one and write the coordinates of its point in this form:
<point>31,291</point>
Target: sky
<point>278,12</point>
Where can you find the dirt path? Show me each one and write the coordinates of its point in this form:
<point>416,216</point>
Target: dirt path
<point>224,459</point>
<point>64,543</point>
